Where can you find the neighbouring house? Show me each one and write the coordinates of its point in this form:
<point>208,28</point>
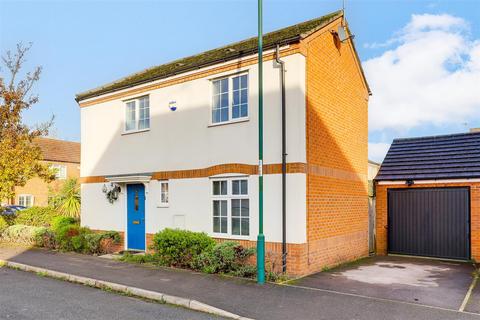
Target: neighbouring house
<point>64,156</point>
<point>373,168</point>
<point>176,146</point>
<point>428,197</point>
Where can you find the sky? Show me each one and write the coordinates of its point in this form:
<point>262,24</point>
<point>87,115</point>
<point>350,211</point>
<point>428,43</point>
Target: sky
<point>421,58</point>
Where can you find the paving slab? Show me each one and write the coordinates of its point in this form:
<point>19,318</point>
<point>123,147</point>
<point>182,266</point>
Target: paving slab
<point>415,280</point>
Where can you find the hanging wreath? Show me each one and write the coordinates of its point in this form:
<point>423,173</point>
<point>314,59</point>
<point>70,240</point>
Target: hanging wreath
<point>111,192</point>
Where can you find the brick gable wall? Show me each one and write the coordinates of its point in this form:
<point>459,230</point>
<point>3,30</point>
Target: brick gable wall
<point>337,144</point>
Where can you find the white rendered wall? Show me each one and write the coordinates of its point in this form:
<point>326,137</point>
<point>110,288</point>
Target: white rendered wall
<point>190,208</point>
<point>183,139</point>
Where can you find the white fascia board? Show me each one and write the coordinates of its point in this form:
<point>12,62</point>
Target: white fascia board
<point>439,181</point>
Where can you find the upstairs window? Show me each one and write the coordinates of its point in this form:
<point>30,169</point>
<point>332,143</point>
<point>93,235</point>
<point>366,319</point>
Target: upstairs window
<point>60,171</point>
<point>230,99</point>
<point>137,114</point>
<point>25,200</point>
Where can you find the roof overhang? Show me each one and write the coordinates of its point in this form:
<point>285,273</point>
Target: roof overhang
<point>432,181</point>
<point>141,178</point>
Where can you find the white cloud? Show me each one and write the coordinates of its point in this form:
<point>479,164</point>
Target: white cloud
<point>431,76</point>
<point>377,151</point>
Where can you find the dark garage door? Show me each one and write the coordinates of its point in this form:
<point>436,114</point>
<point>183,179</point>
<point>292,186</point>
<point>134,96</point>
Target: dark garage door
<point>429,222</point>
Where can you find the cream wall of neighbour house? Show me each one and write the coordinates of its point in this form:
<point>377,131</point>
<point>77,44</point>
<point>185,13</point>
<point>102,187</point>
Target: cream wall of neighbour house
<point>185,139</point>
<point>190,207</point>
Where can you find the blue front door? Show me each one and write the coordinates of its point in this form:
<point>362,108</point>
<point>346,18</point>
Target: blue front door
<point>136,216</point>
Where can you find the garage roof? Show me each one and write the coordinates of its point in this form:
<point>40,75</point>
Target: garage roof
<point>438,157</point>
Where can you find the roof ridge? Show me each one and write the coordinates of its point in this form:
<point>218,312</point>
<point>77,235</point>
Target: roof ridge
<point>453,135</point>
<point>57,139</point>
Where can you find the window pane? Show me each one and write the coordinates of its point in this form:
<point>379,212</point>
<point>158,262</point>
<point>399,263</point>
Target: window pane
<point>216,87</point>
<point>164,192</point>
<point>235,207</point>
<point>223,187</point>
<point>223,208</point>
<point>130,116</point>
<point>224,225</point>
<point>144,124</point>
<point>216,208</point>
<point>164,187</point>
<point>245,208</point>
<point>216,116</point>
<point>219,188</point>
<point>244,81</point>
<point>243,110</point>
<point>236,226</point>
<point>236,98</point>
<point>236,187</point>
<point>236,112</point>
<point>244,187</point>
<point>216,224</point>
<point>224,85</point>
<point>224,114</point>
<point>224,100</point>
<point>244,96</point>
<point>236,83</point>
<point>245,227</point>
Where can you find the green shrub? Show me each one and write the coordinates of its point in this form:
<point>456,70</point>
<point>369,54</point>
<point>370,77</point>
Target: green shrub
<point>101,242</point>
<point>36,216</point>
<point>59,222</point>
<point>225,257</point>
<point>180,247</point>
<point>71,237</point>
<point>3,224</point>
<point>46,239</point>
<point>22,234</point>
<point>246,271</point>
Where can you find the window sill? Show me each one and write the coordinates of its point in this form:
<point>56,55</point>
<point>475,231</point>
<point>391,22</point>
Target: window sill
<point>134,131</point>
<point>228,122</point>
<point>230,237</point>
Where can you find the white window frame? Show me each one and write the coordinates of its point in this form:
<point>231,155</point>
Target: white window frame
<point>32,200</point>
<point>137,115</point>
<point>59,168</point>
<point>162,203</point>
<point>229,197</point>
<point>230,100</point>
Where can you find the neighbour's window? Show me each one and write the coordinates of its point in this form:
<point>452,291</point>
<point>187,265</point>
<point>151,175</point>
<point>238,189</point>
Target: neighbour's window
<point>25,200</point>
<point>231,207</point>
<point>164,193</point>
<point>230,99</point>
<point>60,171</point>
<point>137,114</point>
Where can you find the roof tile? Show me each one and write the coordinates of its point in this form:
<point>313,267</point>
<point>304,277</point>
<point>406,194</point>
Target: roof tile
<point>437,157</point>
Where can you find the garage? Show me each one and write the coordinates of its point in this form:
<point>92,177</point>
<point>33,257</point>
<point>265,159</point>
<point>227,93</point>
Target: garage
<point>431,222</point>
<point>428,197</point>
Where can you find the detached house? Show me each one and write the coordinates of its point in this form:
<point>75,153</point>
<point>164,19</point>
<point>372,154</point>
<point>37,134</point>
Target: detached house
<point>176,146</point>
<point>64,156</point>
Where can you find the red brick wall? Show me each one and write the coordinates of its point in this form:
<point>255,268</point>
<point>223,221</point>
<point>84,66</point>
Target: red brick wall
<point>337,146</point>
<point>382,214</point>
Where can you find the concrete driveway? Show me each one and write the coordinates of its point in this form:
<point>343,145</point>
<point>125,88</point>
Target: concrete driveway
<point>442,284</point>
